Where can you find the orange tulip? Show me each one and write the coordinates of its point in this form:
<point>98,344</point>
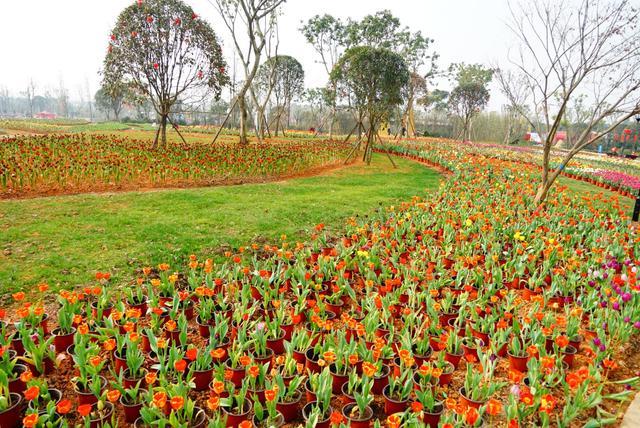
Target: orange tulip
<point>177,402</point>
<point>30,420</point>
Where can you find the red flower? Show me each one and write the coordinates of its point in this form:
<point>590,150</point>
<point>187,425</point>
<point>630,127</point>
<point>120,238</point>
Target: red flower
<point>149,19</point>
<point>177,403</point>
<point>416,407</point>
<point>32,393</point>
<point>30,420</point>
<point>84,410</point>
<point>180,365</point>
<point>64,406</point>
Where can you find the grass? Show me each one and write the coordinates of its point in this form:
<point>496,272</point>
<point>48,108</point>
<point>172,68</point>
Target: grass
<point>65,240</point>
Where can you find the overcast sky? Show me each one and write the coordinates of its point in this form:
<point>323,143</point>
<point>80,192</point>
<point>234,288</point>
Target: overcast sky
<point>66,39</point>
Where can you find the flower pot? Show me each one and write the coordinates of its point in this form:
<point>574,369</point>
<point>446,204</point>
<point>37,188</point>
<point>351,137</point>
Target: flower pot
<point>204,328</point>
<point>105,418</point>
<point>300,357</point>
<point>105,311</point>
<point>422,358</point>
<point>17,385</point>
<point>264,359</point>
<point>392,405</point>
<point>312,361</point>
<point>518,363</point>
<point>472,350</point>
<point>62,341</point>
<point>361,421</point>
<point>131,382</point>
<point>119,363</point>
<point>336,308</point>
<point>480,335</point>
<point>89,397</point>
<point>11,417</point>
<point>310,395</point>
<point>289,411</point>
<point>237,375</point>
<point>277,423</point>
<point>142,307</point>
<point>453,358</point>
<point>306,413</point>
<point>202,379</point>
<point>346,397</point>
<point>447,375</point>
<point>432,418</point>
<point>131,411</point>
<point>235,419</point>
<point>568,355</point>
<point>338,379</point>
<point>277,345</point>
<point>469,402</point>
<point>288,330</point>
<point>381,381</point>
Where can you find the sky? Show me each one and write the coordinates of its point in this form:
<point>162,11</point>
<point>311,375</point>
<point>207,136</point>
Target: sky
<point>65,40</point>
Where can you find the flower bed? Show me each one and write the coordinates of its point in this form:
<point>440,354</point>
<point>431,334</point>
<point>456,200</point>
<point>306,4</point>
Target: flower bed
<point>461,310</point>
<point>74,163</point>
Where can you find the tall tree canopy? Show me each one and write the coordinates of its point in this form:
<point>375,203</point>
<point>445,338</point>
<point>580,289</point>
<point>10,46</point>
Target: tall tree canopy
<point>285,76</point>
<point>373,81</point>
<point>470,95</point>
<point>165,52</point>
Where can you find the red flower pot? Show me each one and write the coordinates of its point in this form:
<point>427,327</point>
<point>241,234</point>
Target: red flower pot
<point>309,394</point>
<point>568,355</point>
<point>381,381</point>
<point>202,379</point>
<point>453,358</point>
<point>518,363</point>
<point>336,308</point>
<point>306,412</point>
<point>277,345</point>
<point>17,385</point>
<point>300,357</point>
<point>469,402</point>
<point>346,397</point>
<point>338,379</point>
<point>235,419</point>
<point>432,419</point>
<point>290,411</point>
<point>119,363</point>
<point>312,361</point>
<point>62,341</point>
<point>237,375</point>
<point>391,405</point>
<point>363,421</point>
<point>131,411</point>
<point>11,417</point>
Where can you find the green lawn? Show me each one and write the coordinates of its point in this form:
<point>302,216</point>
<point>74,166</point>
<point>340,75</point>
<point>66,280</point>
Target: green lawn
<point>65,240</point>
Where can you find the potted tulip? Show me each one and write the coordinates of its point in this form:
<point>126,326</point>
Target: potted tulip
<point>10,404</point>
<point>267,415</point>
<point>136,298</point>
<point>256,379</point>
<point>131,398</point>
<point>359,414</point>
<point>63,334</point>
<point>38,394</point>
<point>317,413</point>
<point>39,355</point>
<point>259,335</point>
<point>236,407</point>
<point>398,392</point>
<point>298,345</point>
<point>289,396</point>
<point>431,408</point>
<point>480,386</point>
<point>202,368</point>
<point>96,415</point>
<point>88,383</point>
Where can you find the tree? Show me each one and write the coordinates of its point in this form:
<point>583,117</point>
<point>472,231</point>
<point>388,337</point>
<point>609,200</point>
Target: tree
<point>470,95</point>
<point>327,35</point>
<point>258,17</point>
<point>568,50</point>
<point>372,80</point>
<point>516,100</point>
<point>30,93</point>
<point>111,100</point>
<point>286,76</point>
<point>165,52</point>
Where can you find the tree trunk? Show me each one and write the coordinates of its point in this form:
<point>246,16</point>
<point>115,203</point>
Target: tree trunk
<point>331,120</point>
<point>243,119</point>
<point>163,130</point>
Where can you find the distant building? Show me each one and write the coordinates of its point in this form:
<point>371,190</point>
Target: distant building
<point>45,115</point>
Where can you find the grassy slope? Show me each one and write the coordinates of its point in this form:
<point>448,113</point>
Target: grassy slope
<point>65,240</point>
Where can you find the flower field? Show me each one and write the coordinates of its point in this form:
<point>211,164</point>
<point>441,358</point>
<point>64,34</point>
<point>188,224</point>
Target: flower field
<point>618,174</point>
<point>77,163</point>
<point>465,309</point>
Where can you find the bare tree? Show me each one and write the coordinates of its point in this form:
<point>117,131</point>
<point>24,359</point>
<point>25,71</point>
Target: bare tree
<point>257,17</point>
<point>29,93</point>
<point>576,48</point>
<point>516,93</point>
